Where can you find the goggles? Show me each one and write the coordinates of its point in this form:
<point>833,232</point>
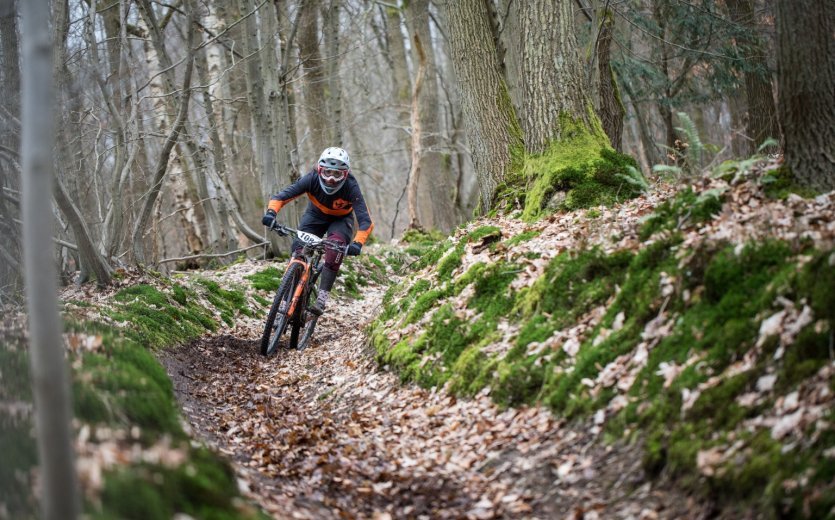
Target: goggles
<point>332,176</point>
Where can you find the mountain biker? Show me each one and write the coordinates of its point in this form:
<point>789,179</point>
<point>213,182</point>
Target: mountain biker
<point>335,197</point>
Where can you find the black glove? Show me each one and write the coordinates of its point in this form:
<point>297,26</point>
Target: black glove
<point>354,249</point>
<point>269,218</point>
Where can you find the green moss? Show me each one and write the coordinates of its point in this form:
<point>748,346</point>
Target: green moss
<point>17,440</point>
<point>266,280</point>
<point>156,320</point>
<point>685,209</point>
<point>200,489</point>
<point>521,237</point>
<point>781,182</point>
<point>714,299</point>
<point>421,237</point>
<point>449,263</point>
<point>580,163</point>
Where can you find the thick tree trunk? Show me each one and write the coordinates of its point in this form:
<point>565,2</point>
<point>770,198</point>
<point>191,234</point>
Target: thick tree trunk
<point>493,130</point>
<point>761,121</point>
<point>417,134</point>
<point>276,100</point>
<point>550,58</point>
<point>806,75</point>
<point>436,188</point>
<point>50,377</point>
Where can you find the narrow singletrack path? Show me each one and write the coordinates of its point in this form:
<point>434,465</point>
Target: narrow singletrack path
<point>325,433</point>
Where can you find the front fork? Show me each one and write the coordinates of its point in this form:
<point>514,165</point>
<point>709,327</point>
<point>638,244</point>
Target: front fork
<point>302,294</point>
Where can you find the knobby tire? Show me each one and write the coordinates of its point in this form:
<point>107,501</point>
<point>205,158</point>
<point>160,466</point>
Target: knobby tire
<point>269,340</point>
<point>309,318</point>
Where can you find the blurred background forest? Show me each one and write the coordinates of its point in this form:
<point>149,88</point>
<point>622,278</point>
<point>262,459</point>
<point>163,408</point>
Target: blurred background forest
<point>172,135</point>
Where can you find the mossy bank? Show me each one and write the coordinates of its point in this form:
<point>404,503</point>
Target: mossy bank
<point>124,404</point>
<point>714,353</point>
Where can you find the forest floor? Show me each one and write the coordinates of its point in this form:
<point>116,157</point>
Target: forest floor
<point>325,433</point>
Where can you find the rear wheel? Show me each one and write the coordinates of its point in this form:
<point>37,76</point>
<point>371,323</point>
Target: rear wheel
<point>278,319</point>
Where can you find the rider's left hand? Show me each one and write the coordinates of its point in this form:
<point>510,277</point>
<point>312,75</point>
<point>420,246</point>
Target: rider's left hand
<point>354,249</point>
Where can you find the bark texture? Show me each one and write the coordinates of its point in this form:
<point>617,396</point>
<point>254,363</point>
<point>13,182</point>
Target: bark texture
<point>554,84</point>
<point>761,120</point>
<point>314,72</point>
<point>806,76</point>
<point>436,188</point>
<point>611,109</point>
<point>493,130</point>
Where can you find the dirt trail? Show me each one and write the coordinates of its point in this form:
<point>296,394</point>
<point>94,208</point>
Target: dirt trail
<point>324,433</point>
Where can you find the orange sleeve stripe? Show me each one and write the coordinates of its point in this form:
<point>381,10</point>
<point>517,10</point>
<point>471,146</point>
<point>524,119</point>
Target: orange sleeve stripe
<point>362,236</point>
<point>328,211</point>
<point>276,204</point>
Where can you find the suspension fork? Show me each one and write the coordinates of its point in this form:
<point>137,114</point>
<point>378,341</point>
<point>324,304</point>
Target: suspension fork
<point>300,285</point>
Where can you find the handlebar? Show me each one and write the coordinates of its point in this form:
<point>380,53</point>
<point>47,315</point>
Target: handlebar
<point>309,239</point>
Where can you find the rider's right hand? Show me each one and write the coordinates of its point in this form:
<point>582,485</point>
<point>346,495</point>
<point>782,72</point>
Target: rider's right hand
<point>269,218</point>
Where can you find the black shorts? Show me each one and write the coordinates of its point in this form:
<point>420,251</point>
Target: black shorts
<point>322,226</point>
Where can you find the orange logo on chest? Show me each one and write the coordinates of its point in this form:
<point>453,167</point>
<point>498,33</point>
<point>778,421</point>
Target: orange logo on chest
<point>341,204</point>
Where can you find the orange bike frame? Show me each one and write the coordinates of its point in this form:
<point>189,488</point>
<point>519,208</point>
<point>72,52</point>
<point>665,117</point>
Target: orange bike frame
<point>299,286</point>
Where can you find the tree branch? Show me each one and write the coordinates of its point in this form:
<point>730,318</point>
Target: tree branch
<point>214,255</point>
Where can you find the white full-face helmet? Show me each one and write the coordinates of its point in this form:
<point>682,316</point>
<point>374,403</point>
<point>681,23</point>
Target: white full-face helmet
<point>333,168</point>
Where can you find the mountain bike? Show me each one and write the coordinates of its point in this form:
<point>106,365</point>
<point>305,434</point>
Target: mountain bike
<point>297,292</point>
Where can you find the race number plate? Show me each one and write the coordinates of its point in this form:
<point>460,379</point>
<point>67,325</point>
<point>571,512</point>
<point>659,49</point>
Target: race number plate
<point>308,238</point>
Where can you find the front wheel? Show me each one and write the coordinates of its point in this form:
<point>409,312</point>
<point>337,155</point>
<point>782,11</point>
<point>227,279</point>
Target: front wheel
<point>307,332</point>
<point>278,319</point>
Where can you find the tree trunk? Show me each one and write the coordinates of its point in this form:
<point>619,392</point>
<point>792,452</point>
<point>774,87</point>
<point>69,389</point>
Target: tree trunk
<point>762,115</point>
<point>417,130</point>
<point>227,206</point>
<point>330,25</point>
<point>396,58</point>
<point>806,75</point>
<point>171,140</point>
<point>494,132</point>
<point>436,189</point>
<point>50,378</point>
<point>314,78</point>
<point>276,100</point>
<point>189,182</point>
<point>550,58</point>
<point>10,269</point>
<point>611,109</point>
<point>511,28</point>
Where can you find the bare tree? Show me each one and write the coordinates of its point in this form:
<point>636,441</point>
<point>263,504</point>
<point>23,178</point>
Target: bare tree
<point>59,498</point>
<point>161,167</point>
<point>436,187</point>
<point>315,100</point>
